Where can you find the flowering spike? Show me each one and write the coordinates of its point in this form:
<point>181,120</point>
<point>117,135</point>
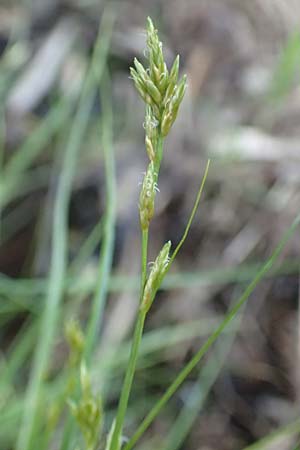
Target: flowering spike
<point>156,276</point>
<point>174,70</point>
<point>88,410</point>
<point>172,106</point>
<point>167,122</point>
<point>181,89</point>
<point>140,70</point>
<point>147,197</point>
<point>157,87</point>
<point>153,91</point>
<point>150,26</point>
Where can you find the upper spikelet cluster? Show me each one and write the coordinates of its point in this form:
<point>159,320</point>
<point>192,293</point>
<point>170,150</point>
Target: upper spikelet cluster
<point>159,88</point>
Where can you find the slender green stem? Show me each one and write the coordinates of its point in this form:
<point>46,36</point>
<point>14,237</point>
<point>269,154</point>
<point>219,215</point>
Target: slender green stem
<point>194,210</point>
<point>139,327</point>
<point>212,338</point>
<point>200,391</point>
<point>286,430</point>
<point>145,236</point>
<point>106,256</point>
<point>98,65</point>
<point>56,277</point>
<point>59,248</point>
<point>115,442</point>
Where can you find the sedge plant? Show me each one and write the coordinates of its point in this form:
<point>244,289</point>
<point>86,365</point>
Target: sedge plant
<point>162,92</point>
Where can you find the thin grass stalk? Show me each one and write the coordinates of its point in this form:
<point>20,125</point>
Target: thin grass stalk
<point>127,384</point>
<point>206,379</point>
<point>59,246</point>
<point>191,218</point>
<point>106,256</point>
<point>144,258</point>
<point>56,279</point>
<point>138,332</point>
<point>139,327</point>
<point>98,69</point>
<point>286,430</point>
<point>212,338</point>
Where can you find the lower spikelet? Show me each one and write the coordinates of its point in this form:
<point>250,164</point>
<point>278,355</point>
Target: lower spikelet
<point>156,275</point>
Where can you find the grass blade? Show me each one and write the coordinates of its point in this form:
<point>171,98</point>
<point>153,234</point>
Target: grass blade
<point>286,430</point>
<point>191,218</point>
<point>59,244</point>
<point>212,338</point>
<point>105,261</point>
<point>207,377</point>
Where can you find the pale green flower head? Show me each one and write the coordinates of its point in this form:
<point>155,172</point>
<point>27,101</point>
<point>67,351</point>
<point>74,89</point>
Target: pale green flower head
<point>160,89</point>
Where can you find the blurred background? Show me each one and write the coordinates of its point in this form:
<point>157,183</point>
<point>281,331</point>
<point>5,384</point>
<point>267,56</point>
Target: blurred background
<point>242,110</point>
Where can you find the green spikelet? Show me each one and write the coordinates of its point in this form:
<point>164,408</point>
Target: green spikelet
<point>87,411</point>
<point>147,197</point>
<point>156,276</point>
<point>157,87</point>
